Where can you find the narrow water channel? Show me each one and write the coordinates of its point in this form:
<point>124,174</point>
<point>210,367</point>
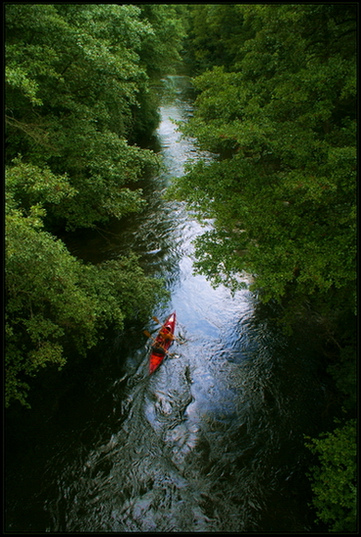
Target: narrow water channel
<point>213,441</point>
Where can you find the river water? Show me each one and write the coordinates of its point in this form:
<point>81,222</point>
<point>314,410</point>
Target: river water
<point>213,441</point>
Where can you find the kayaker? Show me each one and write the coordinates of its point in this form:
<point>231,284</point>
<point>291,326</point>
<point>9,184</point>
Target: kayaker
<point>166,334</point>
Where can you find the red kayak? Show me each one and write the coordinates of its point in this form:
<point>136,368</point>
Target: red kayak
<point>162,343</point>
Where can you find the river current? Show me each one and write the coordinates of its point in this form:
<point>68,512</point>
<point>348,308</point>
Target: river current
<point>213,441</point>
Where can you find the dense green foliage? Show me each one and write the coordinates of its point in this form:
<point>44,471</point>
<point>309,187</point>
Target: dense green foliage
<point>276,106</point>
<point>55,302</point>
<point>334,481</point>
<point>80,90</point>
<point>281,117</point>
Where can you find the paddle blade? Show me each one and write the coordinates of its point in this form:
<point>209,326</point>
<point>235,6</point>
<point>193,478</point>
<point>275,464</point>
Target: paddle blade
<point>156,320</point>
<point>146,333</point>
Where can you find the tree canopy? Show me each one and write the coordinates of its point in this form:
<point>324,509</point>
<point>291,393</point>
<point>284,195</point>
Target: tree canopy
<point>276,106</point>
<point>80,90</point>
<point>334,479</point>
<point>281,116</point>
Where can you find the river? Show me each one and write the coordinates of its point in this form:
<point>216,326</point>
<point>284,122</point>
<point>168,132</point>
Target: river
<point>214,440</point>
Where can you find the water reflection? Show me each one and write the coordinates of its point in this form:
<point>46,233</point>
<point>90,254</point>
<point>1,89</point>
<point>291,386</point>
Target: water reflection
<point>213,441</point>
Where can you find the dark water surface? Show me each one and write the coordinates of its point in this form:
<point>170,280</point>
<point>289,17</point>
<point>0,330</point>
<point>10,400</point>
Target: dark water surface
<point>213,441</point>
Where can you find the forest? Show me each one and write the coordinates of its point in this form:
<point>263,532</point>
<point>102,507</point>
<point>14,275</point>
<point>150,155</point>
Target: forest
<point>80,90</point>
<point>275,105</point>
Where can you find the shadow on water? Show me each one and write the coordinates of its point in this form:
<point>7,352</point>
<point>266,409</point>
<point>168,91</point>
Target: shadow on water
<point>213,441</point>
